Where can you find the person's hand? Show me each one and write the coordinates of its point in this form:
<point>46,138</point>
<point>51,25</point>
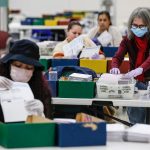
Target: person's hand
<point>5,83</point>
<point>95,56</point>
<point>96,41</point>
<point>34,107</point>
<point>134,73</point>
<point>58,55</point>
<point>115,71</point>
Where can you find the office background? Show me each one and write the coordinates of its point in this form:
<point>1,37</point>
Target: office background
<point>120,9</point>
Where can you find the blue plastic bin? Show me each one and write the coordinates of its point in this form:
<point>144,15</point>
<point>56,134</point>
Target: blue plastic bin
<point>81,134</point>
<point>64,62</point>
<point>53,87</point>
<point>41,34</point>
<point>110,51</point>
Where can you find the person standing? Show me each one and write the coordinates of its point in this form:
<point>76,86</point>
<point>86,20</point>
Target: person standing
<point>137,45</point>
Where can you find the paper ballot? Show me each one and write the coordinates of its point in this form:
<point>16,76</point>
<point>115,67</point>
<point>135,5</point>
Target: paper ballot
<point>88,52</point>
<point>13,102</point>
<point>74,47</point>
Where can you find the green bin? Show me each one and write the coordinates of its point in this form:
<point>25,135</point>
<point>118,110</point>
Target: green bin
<point>21,135</point>
<point>45,63</point>
<point>76,89</point>
<point>38,21</point>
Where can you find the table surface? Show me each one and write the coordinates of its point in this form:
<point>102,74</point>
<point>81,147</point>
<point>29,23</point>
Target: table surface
<point>109,146</point>
<point>139,100</point>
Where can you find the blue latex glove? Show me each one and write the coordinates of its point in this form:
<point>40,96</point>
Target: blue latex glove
<point>134,73</point>
<point>115,71</point>
<point>95,56</point>
<point>96,41</point>
<point>34,107</point>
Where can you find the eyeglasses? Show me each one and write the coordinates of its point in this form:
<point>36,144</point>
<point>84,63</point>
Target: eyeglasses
<point>135,26</point>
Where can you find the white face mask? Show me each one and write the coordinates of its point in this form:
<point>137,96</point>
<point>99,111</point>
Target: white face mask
<point>20,75</point>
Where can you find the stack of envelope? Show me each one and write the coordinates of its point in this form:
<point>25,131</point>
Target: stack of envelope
<point>80,77</point>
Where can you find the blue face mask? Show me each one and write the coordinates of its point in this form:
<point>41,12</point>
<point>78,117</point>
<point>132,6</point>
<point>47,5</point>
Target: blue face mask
<point>139,32</point>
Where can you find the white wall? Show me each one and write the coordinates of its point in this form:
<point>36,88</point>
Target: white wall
<point>38,7</point>
<point>122,8</point>
<point>125,7</point>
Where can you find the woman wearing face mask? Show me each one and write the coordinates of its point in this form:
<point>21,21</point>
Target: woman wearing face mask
<point>22,64</point>
<point>105,33</point>
<point>74,30</point>
<point>137,45</point>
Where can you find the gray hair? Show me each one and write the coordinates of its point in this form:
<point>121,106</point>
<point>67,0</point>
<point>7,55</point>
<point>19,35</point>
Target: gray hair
<point>144,14</point>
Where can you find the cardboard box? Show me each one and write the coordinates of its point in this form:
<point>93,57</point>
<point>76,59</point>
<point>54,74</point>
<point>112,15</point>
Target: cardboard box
<point>82,117</point>
<point>21,135</point>
<point>99,66</point>
<point>81,134</point>
<point>76,89</point>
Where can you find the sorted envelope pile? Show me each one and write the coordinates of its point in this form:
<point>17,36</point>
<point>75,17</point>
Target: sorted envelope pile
<point>80,77</point>
<point>115,132</point>
<point>138,133</point>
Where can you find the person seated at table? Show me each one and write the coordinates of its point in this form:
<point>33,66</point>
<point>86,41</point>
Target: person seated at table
<point>105,33</point>
<point>22,64</point>
<point>74,31</point>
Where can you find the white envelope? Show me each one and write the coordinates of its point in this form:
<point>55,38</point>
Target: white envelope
<point>74,47</point>
<point>13,102</point>
<point>89,52</point>
<point>105,38</point>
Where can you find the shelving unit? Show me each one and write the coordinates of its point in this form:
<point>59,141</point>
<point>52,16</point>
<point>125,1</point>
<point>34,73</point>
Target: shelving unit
<point>22,30</point>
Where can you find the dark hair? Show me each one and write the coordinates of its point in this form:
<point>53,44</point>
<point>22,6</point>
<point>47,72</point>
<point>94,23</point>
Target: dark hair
<point>105,13</point>
<point>38,85</point>
<point>73,23</point>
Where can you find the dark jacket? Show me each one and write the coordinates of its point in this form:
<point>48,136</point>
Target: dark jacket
<point>129,46</point>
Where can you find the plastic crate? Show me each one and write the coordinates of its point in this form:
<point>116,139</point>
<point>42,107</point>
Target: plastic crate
<point>64,62</point>
<point>99,66</point>
<point>110,51</point>
<point>124,91</point>
<point>76,89</point>
<point>21,135</point>
<point>41,34</point>
<point>49,22</point>
<point>81,134</point>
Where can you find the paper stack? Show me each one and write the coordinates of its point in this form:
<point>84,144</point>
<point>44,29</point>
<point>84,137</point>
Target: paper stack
<point>80,77</point>
<point>138,133</point>
<point>115,132</point>
<point>108,78</point>
<point>88,52</point>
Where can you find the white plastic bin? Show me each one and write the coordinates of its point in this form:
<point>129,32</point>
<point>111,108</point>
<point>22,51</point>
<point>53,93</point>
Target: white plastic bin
<point>125,91</point>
